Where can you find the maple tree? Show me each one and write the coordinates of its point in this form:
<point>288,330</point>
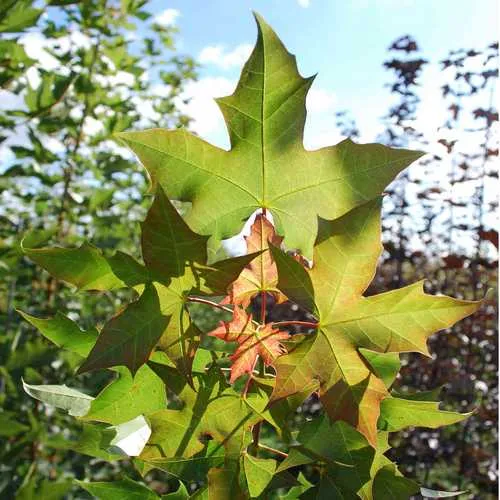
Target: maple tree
<point>315,241</point>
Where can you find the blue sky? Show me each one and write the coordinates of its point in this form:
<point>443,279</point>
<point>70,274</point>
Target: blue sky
<point>344,41</point>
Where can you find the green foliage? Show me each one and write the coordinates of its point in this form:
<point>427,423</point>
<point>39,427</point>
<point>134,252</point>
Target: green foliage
<point>70,79</point>
<point>174,406</point>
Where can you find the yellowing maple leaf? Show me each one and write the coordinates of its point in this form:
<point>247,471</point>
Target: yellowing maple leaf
<point>254,341</point>
<point>345,260</point>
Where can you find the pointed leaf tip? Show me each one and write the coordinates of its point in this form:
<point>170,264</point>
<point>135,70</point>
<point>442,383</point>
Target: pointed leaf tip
<point>129,337</point>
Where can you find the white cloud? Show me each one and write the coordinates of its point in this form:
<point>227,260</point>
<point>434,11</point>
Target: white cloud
<point>207,118</point>
<point>52,144</point>
<point>217,55</point>
<point>146,109</point>
<point>304,3</point>
<point>76,38</point>
<point>34,45</point>
<point>322,138</point>
<point>320,101</point>
<point>320,128</point>
<point>167,18</point>
<point>119,78</point>
<point>91,126</point>
<point>33,77</point>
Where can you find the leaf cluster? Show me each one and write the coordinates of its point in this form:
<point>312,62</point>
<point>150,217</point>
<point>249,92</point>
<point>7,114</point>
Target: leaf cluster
<point>197,404</point>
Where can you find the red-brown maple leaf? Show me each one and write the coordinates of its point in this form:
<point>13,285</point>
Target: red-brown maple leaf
<point>253,341</point>
<point>261,274</point>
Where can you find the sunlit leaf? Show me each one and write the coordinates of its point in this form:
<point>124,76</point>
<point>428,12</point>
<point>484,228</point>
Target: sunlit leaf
<point>128,397</point>
<point>267,166</point>
<point>345,258</point>
<point>64,332</point>
<point>85,267</point>
<point>397,414</point>
<point>258,472</point>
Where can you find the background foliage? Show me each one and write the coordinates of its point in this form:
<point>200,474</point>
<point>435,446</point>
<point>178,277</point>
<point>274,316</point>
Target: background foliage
<point>65,180</point>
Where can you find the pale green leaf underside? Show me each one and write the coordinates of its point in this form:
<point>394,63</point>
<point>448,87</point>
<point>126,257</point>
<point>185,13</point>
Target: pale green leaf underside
<point>267,165</point>
<point>76,403</point>
<point>428,493</point>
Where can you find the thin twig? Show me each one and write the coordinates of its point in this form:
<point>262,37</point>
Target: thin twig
<point>273,450</point>
<point>199,300</point>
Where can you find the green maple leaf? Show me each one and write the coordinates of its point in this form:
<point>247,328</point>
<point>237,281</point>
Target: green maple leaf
<point>177,256</point>
<point>211,408</point>
<point>194,468</point>
<point>385,365</point>
<point>267,166</point>
<point>87,268</point>
<point>346,453</point>
<point>351,466</point>
<point>398,413</point>
<point>388,483</point>
<point>259,472</point>
<point>345,259</point>
<point>118,490</point>
<point>129,338</point>
<point>127,397</point>
<point>64,332</point>
<point>176,265</point>
<point>223,485</point>
<point>379,461</point>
